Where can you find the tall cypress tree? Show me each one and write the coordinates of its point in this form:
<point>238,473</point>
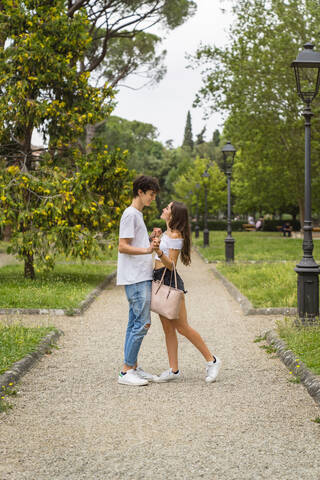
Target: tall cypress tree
<point>187,139</point>
<point>216,138</point>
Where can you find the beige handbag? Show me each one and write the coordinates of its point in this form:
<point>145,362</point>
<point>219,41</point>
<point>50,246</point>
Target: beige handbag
<point>166,300</point>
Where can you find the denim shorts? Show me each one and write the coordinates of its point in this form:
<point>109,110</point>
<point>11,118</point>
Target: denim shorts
<point>157,274</point>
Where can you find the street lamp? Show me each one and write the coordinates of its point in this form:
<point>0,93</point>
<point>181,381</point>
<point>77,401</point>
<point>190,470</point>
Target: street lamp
<point>197,228</point>
<point>307,73</point>
<point>205,176</point>
<point>229,152</point>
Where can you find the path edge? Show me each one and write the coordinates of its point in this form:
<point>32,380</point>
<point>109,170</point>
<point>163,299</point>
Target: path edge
<point>83,306</point>
<point>310,380</point>
<point>21,367</point>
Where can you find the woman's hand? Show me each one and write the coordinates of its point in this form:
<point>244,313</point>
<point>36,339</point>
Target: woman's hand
<point>154,245</point>
<point>156,232</point>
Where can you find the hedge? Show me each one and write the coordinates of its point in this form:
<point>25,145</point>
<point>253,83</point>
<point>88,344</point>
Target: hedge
<point>236,225</point>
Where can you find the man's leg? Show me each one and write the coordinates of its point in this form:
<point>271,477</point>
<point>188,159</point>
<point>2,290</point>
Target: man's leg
<point>139,304</point>
<point>129,289</point>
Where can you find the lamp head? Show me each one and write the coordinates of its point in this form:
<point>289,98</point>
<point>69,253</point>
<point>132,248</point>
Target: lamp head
<point>307,73</point>
<point>228,152</point>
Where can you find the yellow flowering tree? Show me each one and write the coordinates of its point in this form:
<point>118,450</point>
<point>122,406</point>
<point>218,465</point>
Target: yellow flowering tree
<point>65,199</point>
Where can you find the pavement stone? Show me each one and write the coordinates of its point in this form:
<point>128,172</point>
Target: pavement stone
<point>71,419</point>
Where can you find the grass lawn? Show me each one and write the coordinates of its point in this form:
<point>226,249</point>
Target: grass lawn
<point>17,341</point>
<point>304,342</point>
<point>267,246</point>
<point>65,287</point>
<point>264,284</point>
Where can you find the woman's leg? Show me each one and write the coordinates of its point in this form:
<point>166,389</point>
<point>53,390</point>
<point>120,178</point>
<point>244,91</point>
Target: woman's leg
<point>181,324</point>
<point>171,342</point>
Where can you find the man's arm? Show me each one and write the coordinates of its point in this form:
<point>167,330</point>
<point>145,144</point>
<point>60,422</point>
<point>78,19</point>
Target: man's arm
<point>126,247</point>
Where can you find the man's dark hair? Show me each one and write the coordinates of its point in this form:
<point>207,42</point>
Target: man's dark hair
<point>145,183</point>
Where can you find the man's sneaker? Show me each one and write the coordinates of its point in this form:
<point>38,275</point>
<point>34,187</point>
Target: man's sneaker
<point>213,370</point>
<point>131,378</point>
<point>167,376</point>
<point>145,375</point>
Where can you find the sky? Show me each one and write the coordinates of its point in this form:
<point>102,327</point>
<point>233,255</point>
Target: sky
<point>166,105</point>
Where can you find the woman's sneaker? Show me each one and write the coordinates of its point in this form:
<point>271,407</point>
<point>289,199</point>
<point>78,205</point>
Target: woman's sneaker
<point>145,375</point>
<point>131,378</point>
<point>167,376</point>
<point>213,370</point>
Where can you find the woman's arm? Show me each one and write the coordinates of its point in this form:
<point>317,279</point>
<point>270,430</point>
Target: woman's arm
<point>167,260</point>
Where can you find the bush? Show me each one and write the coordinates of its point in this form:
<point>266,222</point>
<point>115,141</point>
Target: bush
<point>271,225</point>
<point>236,225</point>
<point>157,223</point>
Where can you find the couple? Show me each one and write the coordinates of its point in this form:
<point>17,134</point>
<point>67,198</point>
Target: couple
<point>135,272</point>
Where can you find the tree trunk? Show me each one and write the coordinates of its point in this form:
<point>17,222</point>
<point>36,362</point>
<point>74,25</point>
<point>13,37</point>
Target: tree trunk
<point>7,232</point>
<point>29,267</point>
<point>301,212</point>
<point>90,134</point>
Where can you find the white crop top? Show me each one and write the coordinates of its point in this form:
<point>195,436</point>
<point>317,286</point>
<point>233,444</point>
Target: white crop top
<point>166,243</point>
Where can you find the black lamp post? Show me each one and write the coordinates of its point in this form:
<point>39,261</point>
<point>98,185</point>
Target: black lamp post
<point>307,72</point>
<point>197,228</point>
<point>205,176</point>
<point>229,152</point>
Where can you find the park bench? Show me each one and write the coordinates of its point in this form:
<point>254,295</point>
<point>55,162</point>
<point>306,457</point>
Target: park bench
<point>248,227</point>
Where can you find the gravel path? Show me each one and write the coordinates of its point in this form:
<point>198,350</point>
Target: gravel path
<point>72,421</point>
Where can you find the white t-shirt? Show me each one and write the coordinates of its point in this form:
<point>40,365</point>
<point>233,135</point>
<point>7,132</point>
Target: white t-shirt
<point>134,268</point>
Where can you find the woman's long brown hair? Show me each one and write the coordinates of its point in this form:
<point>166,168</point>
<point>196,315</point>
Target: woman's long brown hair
<point>180,221</point>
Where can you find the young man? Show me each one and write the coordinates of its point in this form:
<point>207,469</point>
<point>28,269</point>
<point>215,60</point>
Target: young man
<point>135,268</point>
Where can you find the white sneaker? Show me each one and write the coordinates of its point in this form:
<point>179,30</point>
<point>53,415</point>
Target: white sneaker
<point>167,376</point>
<point>131,378</point>
<point>145,375</point>
<point>213,370</point>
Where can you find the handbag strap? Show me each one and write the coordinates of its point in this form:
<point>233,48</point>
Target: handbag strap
<point>161,280</point>
<point>175,275</point>
<point>175,278</point>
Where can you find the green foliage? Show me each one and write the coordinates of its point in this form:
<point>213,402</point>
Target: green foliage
<point>215,225</point>
<point>188,138</point>
<point>122,44</point>
<point>133,55</point>
<point>251,79</point>
<point>187,191</point>
<point>157,222</point>
<point>67,200</point>
<point>145,153</point>
<point>216,138</point>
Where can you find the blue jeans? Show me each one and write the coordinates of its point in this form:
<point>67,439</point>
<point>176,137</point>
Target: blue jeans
<point>139,298</point>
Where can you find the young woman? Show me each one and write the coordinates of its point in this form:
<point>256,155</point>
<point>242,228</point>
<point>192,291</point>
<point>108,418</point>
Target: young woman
<point>175,241</point>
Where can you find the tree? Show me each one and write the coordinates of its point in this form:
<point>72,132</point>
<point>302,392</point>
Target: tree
<point>200,136</point>
<point>252,81</point>
<point>121,43</point>
<point>216,138</point>
<point>187,138</point>
<point>116,20</point>
<point>73,199</point>
<point>145,154</point>
<point>216,185</point>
